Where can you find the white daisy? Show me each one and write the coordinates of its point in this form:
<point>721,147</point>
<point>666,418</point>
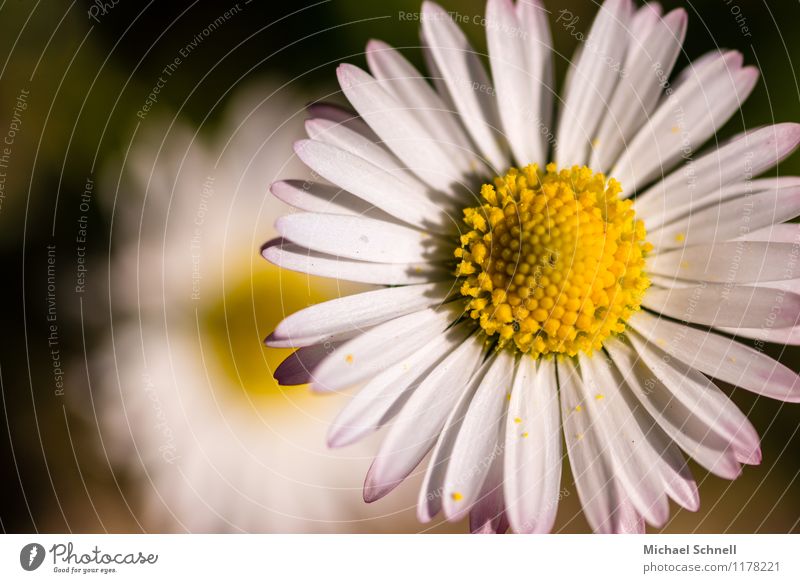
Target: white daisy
<point>188,406</point>
<point>577,280</point>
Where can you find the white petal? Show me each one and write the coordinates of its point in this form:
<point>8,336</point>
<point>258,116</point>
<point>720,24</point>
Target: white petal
<point>436,76</point>
<point>730,262</point>
<point>661,451</point>
<point>533,18</point>
<point>679,421</point>
<point>382,396</point>
<point>702,201</point>
<point>661,281</point>
<point>718,305</point>
<point>295,258</point>
<point>343,116</point>
<point>594,78</point>
<point>702,396</point>
<point>380,347</point>
<point>400,130</point>
<point>372,184</point>
<point>782,233</point>
<point>533,448</point>
<point>729,219</point>
<point>298,368</point>
<point>322,198</point>
<point>634,467</point>
<point>467,82</point>
<point>516,79</point>
<point>355,312</point>
<point>429,502</point>
<point>488,514</point>
<point>746,155</point>
<point>789,336</point>
<point>400,78</point>
<point>417,426</point>
<point>786,286</point>
<point>329,132</point>
<point>685,121</point>
<point>477,444</point>
<point>361,238</point>
<point>604,503</point>
<point>626,519</point>
<point>721,357</point>
<point>697,66</point>
<point>654,48</point>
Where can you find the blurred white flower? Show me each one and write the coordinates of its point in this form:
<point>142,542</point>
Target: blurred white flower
<point>187,400</point>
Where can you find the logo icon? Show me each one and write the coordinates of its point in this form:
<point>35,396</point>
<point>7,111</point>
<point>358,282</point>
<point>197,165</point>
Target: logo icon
<point>31,556</point>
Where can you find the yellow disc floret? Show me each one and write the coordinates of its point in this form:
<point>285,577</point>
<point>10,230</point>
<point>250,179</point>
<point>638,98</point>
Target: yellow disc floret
<point>553,262</point>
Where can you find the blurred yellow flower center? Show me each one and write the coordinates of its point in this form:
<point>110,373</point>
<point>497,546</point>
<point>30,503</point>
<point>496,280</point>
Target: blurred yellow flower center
<point>553,262</point>
<point>234,323</point>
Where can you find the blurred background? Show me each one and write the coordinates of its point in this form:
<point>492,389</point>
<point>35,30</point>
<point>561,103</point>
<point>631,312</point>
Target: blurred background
<point>139,142</point>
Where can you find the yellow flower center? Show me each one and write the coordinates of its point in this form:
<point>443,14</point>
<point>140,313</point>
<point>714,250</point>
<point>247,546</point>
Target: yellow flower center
<point>553,261</point>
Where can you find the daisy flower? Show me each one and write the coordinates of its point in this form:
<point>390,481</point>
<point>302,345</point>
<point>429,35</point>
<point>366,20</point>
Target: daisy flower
<point>580,276</point>
<point>188,409</point>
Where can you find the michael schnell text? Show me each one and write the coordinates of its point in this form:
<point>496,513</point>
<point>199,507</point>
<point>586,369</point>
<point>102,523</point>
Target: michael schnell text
<point>689,550</point>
